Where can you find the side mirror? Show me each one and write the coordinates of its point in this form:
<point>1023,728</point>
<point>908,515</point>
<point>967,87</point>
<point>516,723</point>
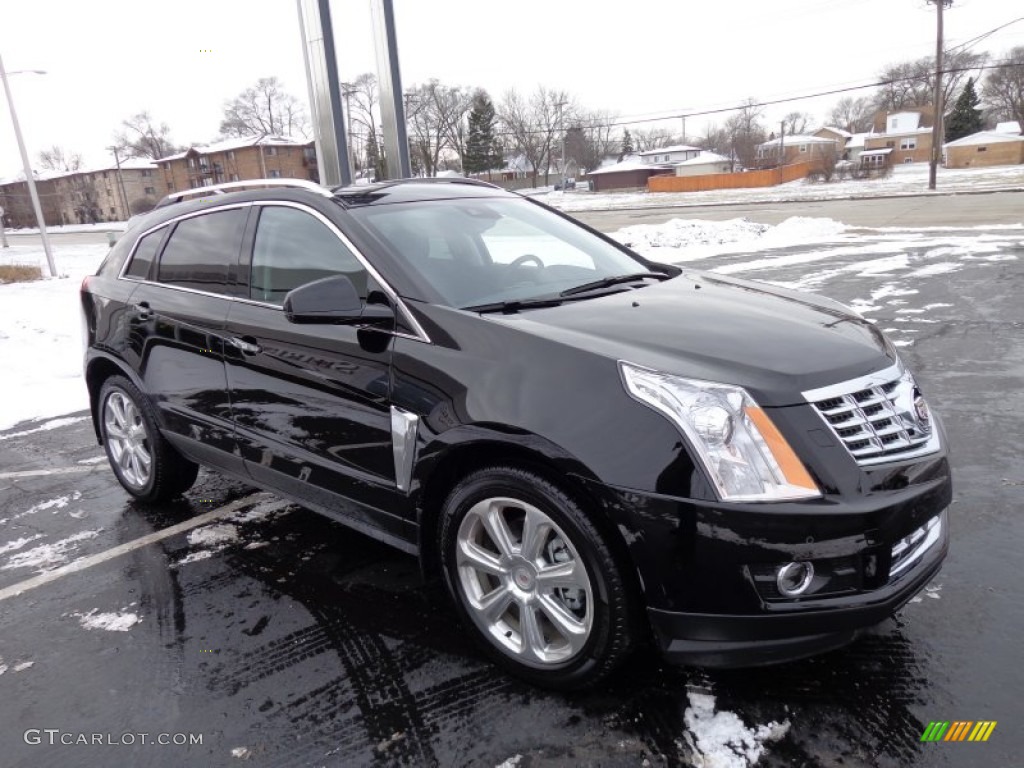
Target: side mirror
<point>333,300</point>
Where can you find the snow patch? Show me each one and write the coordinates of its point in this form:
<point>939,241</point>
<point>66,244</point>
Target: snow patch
<point>48,556</point>
<point>209,539</point>
<point>940,268</point>
<point>10,546</point>
<point>111,622</point>
<point>511,762</point>
<point>721,740</point>
<point>21,667</point>
<point>52,424</point>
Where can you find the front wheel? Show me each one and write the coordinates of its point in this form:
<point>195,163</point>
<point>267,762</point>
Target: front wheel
<point>533,579</point>
<point>145,464</point>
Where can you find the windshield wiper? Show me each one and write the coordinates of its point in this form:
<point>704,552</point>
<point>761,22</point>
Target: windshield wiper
<point>514,305</point>
<point>607,282</point>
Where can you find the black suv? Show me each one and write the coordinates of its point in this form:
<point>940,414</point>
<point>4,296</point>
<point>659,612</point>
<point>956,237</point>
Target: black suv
<point>589,447</point>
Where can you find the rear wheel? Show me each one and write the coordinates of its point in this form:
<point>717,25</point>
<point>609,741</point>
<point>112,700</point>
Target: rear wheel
<point>533,579</point>
<point>145,464</point>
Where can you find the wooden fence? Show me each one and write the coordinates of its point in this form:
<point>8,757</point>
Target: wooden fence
<point>768,178</point>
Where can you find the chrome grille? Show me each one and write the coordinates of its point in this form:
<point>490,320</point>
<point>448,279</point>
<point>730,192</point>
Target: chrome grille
<point>877,417</point>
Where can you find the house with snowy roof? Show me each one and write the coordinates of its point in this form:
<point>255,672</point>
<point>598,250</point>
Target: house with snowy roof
<point>1002,146</point>
<point>238,159</point>
<point>794,148</point>
<point>905,140</point>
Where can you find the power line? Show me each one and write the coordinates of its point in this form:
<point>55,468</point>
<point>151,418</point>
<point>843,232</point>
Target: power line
<point>755,104</point>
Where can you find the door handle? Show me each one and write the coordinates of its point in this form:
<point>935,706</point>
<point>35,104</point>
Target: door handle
<point>245,347</point>
<point>143,310</point>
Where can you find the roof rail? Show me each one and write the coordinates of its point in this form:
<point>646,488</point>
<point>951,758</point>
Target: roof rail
<point>231,186</point>
<point>417,180</point>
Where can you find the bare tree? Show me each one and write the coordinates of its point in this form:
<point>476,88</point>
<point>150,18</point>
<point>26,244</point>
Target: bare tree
<point>852,114</point>
<point>591,138</point>
<point>645,139</point>
<point>142,137</point>
<point>426,121</point>
<point>264,109</point>
<point>745,132</point>
<point>1004,87</point>
<point>797,123</point>
<point>912,83</point>
<point>59,159</point>
<point>826,158</point>
<point>532,124</point>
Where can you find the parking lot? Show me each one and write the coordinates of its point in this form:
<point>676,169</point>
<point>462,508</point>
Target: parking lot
<point>283,639</point>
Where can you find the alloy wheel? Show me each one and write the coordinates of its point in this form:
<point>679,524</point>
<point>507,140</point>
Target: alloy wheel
<point>525,585</point>
<point>127,439</point>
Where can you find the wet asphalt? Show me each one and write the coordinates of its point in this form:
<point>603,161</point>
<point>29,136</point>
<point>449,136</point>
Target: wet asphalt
<point>297,642</point>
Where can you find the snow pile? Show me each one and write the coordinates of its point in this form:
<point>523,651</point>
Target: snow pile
<point>41,334</point>
<point>721,740</point>
<point>111,622</point>
<point>693,239</point>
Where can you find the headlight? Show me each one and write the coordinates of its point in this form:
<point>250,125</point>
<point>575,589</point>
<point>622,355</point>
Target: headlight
<point>743,452</point>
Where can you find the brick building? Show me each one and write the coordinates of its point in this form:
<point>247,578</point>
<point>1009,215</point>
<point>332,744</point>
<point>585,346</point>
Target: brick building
<point>1003,146</point>
<point>905,140</point>
<point>255,157</point>
<point>83,196</point>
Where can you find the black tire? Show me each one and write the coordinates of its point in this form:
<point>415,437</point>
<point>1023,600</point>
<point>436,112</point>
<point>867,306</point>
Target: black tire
<point>606,600</point>
<point>170,473</point>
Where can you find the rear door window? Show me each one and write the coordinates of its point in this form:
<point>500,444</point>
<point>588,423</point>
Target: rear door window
<point>294,248</point>
<point>203,250</point>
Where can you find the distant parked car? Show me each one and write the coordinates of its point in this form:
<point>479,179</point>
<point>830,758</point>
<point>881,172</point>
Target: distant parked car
<point>590,448</point>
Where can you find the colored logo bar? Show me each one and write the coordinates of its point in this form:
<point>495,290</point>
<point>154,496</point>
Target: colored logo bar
<point>958,730</point>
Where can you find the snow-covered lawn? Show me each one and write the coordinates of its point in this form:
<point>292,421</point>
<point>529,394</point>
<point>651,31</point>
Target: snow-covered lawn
<point>109,226</point>
<point>905,180</point>
<point>41,335</point>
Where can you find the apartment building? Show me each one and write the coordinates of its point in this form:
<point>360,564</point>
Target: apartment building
<point>254,157</point>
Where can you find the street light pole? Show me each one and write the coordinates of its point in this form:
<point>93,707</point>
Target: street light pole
<point>29,178</point>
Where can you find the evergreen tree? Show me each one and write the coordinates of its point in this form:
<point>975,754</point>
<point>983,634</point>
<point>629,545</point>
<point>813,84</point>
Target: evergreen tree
<point>627,144</point>
<point>482,152</point>
<point>965,118</point>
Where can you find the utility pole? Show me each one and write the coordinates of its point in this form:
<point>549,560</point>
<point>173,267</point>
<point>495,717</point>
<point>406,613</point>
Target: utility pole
<point>120,182</point>
<point>782,143</point>
<point>937,132</point>
<point>561,130</point>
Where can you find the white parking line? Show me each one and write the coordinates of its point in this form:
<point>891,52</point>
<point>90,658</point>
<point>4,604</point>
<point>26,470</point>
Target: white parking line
<point>88,562</point>
<point>43,472</point>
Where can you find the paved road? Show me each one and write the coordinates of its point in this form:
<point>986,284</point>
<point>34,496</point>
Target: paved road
<point>932,211</point>
<point>277,631</point>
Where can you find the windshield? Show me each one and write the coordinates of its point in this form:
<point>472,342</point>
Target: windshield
<point>474,252</point>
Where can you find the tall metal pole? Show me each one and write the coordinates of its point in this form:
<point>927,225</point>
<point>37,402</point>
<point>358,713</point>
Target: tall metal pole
<point>321,61</point>
<point>29,178</point>
<point>389,79</point>
<point>937,132</point>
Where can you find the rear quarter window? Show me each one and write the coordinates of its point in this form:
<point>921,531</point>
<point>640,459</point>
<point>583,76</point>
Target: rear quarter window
<point>145,254</point>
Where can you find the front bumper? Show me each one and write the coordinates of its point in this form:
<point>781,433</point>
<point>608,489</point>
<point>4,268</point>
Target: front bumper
<point>707,569</point>
<point>808,628</point>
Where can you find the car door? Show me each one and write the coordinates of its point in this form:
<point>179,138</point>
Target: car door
<point>311,403</point>
<point>177,317</point>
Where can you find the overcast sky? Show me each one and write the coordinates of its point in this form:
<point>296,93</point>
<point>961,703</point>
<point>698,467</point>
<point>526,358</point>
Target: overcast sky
<point>107,59</point>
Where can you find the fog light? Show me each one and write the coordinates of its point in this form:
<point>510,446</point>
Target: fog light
<point>793,579</point>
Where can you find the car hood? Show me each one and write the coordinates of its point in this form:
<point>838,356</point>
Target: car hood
<point>774,342</point>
